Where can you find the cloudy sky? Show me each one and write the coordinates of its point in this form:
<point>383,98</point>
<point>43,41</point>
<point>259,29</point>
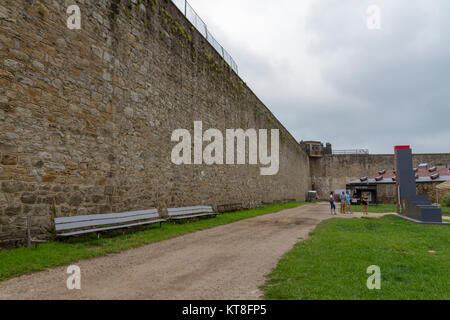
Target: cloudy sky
<point>326,76</point>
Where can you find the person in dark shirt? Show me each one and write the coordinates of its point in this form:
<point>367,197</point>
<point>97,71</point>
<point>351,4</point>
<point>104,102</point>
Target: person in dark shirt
<point>333,206</point>
<point>365,203</point>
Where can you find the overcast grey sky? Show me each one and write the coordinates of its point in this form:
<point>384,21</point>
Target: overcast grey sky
<point>327,77</point>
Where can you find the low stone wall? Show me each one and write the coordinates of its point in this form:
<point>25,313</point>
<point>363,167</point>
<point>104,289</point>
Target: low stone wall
<point>386,191</point>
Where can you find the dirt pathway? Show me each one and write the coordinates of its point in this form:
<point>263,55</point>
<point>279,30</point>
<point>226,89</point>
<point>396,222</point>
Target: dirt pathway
<point>226,262</point>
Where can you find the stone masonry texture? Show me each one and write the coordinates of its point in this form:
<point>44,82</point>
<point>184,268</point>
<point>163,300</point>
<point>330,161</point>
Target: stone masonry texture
<point>86,116</point>
<point>333,172</point>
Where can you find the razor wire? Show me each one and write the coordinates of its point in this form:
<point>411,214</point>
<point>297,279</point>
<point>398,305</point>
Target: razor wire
<point>201,27</point>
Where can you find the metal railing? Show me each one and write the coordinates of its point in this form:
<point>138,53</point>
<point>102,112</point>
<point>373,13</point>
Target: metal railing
<point>351,151</point>
<point>201,26</point>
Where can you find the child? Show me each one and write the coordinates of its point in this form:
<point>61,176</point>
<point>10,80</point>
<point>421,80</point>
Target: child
<point>333,206</point>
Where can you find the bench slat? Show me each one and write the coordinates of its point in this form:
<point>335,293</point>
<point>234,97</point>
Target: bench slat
<point>190,208</point>
<point>104,216</point>
<point>109,228</point>
<point>193,216</point>
<point>179,213</point>
<point>184,211</point>
<point>83,224</point>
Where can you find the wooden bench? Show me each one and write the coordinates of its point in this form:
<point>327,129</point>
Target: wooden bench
<point>77,225</point>
<point>190,212</point>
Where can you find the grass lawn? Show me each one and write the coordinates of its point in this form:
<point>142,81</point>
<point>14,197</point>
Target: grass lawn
<point>56,253</point>
<point>383,208</point>
<point>376,208</point>
<point>414,261</point>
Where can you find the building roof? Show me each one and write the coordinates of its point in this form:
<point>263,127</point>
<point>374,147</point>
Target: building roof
<point>424,174</point>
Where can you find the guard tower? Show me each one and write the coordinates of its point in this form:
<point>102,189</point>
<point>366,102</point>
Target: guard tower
<point>315,149</point>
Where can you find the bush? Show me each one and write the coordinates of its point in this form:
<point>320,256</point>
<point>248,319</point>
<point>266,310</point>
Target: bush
<point>446,202</point>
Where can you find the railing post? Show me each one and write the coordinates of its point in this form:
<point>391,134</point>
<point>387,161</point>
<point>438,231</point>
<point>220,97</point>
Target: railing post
<point>194,20</point>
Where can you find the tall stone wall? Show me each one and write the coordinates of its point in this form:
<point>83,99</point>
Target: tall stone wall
<point>334,172</point>
<point>86,116</point>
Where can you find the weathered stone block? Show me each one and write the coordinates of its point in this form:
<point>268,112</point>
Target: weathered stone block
<point>98,198</point>
<point>12,186</point>
<point>109,190</point>
<point>28,198</point>
<point>9,160</point>
<point>12,65</point>
<point>7,147</point>
<point>38,164</point>
<point>60,198</point>
<point>13,211</point>
<point>76,199</point>
<point>55,166</point>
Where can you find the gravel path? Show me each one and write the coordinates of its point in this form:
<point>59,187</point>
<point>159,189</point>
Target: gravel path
<point>225,262</point>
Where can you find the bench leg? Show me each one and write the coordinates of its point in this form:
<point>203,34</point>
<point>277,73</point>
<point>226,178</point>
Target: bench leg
<point>29,231</point>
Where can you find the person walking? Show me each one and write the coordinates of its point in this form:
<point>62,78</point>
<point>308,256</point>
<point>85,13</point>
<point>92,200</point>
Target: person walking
<point>342,197</point>
<point>365,203</point>
<point>332,205</point>
<point>348,204</point>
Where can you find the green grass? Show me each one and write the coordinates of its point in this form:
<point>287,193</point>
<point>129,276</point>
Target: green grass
<point>414,261</point>
<point>387,208</point>
<point>57,253</point>
<point>376,208</point>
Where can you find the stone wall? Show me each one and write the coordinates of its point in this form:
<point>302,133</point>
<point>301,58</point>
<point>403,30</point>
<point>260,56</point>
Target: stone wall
<point>429,189</point>
<point>386,191</point>
<point>86,116</point>
<point>334,172</point>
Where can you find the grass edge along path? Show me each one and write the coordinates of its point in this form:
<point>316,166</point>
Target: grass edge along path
<point>21,260</point>
<point>389,208</point>
<point>332,263</point>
